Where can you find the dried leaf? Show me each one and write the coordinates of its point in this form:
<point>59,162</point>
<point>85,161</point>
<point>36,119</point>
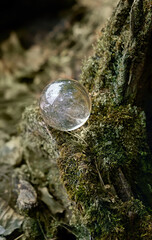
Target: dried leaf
<point>27,196</point>
<point>53,205</point>
<point>9,219</point>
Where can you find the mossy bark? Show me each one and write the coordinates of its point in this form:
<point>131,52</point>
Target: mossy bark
<point>106,165</point>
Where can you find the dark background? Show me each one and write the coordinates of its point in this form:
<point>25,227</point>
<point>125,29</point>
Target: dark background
<point>15,13</point>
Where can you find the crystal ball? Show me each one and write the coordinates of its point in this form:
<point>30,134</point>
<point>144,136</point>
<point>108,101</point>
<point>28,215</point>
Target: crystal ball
<point>65,104</point>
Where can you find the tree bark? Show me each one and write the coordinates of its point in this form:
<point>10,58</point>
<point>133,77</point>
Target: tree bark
<point>106,165</point>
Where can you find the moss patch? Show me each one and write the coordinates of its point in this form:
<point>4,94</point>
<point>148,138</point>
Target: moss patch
<point>103,173</point>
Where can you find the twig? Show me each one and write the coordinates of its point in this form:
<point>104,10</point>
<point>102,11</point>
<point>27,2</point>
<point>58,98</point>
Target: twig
<point>19,236</point>
<point>41,229</point>
<point>101,180</point>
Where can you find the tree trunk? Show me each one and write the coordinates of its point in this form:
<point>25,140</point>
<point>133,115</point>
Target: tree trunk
<point>106,165</point>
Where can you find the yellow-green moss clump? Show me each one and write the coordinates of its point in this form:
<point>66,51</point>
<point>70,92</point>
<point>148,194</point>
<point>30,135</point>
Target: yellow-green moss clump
<point>101,171</point>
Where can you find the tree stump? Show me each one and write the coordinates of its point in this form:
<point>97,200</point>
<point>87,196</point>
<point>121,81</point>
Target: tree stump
<point>106,165</point>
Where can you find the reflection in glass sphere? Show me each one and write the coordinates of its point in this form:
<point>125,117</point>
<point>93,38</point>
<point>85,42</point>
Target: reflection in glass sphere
<point>65,104</point>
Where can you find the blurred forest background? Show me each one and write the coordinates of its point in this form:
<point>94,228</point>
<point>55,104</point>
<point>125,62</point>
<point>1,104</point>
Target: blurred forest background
<point>40,41</point>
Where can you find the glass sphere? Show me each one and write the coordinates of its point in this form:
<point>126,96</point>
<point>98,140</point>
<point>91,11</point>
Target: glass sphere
<point>65,104</point>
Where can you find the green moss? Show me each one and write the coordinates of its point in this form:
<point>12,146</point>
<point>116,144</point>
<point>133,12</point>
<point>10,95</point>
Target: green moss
<point>115,140</point>
<point>120,52</point>
<point>31,229</point>
<point>106,67</point>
